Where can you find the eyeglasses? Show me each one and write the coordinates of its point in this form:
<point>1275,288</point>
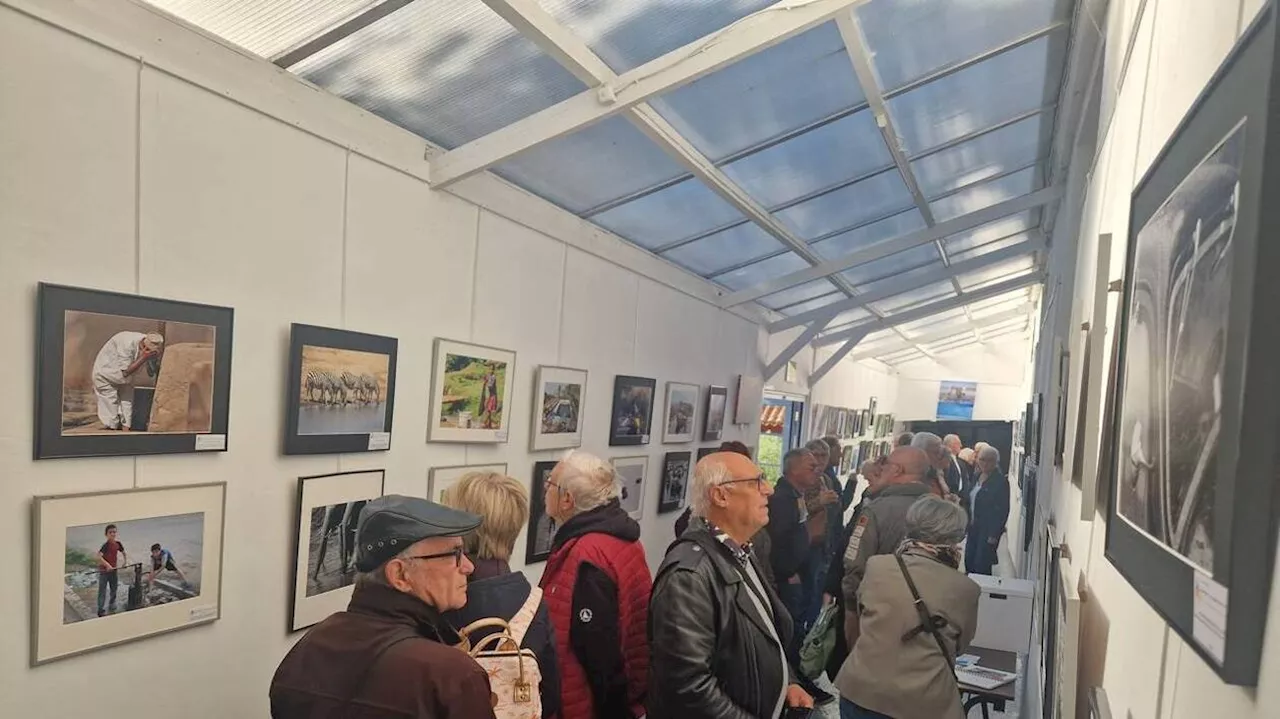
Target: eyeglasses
<point>456,553</point>
<point>759,482</point>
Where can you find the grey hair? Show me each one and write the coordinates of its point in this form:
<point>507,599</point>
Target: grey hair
<point>819,446</point>
<point>793,455</point>
<point>934,520</point>
<point>928,441</point>
<point>378,575</point>
<point>707,474</point>
<point>989,452</point>
<point>948,438</point>
<point>591,481</point>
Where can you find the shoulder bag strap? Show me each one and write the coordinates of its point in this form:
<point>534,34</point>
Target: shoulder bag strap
<point>368,667</point>
<point>524,618</point>
<point>928,622</point>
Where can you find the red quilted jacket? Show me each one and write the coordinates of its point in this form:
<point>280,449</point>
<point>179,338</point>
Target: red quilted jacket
<point>608,539</point>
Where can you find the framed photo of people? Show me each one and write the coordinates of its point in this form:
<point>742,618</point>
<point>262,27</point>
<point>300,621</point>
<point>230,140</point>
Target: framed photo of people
<point>632,414</point>
<point>682,407</point>
<point>120,374</point>
<point>113,567</point>
<point>1192,524</point>
<point>471,393</point>
<point>324,571</point>
<point>677,470</point>
<point>341,391</point>
<point>713,419</point>
<point>560,395</point>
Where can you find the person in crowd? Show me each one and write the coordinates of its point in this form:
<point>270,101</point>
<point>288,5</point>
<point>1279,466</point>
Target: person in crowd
<point>870,471</point>
<point>788,531</point>
<point>682,522</point>
<point>988,504</point>
<point>390,655</point>
<point>977,448</point>
<point>111,556</point>
<point>966,457</point>
<point>824,522</point>
<point>596,584</point>
<point>493,590</point>
<point>890,674</point>
<point>161,561</point>
<point>939,462</point>
<point>882,525</point>
<point>850,488</point>
<point>904,440</point>
<point>959,473</point>
<point>717,630</point>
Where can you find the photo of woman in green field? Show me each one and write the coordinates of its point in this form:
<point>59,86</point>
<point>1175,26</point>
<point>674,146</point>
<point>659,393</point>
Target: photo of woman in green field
<point>473,389</point>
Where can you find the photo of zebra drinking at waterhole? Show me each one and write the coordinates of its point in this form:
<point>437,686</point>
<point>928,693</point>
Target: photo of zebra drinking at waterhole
<point>343,391</point>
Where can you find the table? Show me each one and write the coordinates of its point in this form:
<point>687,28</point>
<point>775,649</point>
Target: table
<point>992,659</point>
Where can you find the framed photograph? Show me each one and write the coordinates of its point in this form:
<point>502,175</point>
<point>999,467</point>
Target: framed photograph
<point>471,392</point>
<point>112,567</point>
<point>1192,524</point>
<point>704,451</point>
<point>1064,388</point>
<point>676,472</point>
<point>629,421</point>
<point>1067,646</point>
<point>713,421</point>
<point>1101,493</point>
<point>750,397</point>
<point>121,374</point>
<point>631,473</point>
<point>541,528</point>
<point>340,393</point>
<point>559,397</point>
<point>441,479</point>
<point>955,400</point>
<point>324,569</point>
<point>682,403</point>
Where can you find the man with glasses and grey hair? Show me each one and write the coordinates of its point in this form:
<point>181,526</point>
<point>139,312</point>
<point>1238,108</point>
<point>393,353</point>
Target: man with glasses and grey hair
<point>717,631</point>
<point>390,654</point>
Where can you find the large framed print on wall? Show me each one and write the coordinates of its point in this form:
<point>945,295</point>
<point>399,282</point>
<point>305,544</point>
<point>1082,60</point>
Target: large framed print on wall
<point>1191,524</point>
<point>120,374</point>
<point>341,391</point>
<point>471,393</point>
<point>324,553</point>
<point>632,414</point>
<point>560,395</point>
<point>113,567</point>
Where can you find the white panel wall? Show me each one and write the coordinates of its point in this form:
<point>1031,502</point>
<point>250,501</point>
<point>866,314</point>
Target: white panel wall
<point>1146,668</point>
<point>998,367</point>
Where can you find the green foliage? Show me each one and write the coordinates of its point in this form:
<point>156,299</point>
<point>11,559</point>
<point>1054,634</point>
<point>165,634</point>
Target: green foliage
<point>79,559</point>
<point>464,381</point>
<point>770,456</point>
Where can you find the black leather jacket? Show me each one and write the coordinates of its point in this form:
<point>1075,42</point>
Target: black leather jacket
<point>711,653</point>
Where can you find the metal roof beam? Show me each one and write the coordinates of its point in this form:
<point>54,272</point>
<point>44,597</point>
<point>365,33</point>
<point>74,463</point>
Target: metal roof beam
<point>800,342</point>
<point>834,359</point>
<point>336,34</point>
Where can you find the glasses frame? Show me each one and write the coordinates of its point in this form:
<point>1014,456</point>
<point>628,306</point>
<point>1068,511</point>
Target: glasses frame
<point>457,553</point>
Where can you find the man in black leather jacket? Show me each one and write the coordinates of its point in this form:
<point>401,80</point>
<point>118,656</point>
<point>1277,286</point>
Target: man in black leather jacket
<point>717,630</point>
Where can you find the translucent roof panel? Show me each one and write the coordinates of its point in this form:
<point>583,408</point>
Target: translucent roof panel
<point>996,273</point>
<point>775,91</point>
<point>934,322</point>
<point>990,247</point>
<point>847,207</point>
<point>895,264</point>
<point>592,166</point>
<point>986,194</point>
<point>1023,79</point>
<point>446,70</point>
<point>682,210</point>
<point>755,273</point>
<point>813,304</point>
<point>995,153</point>
<point>914,38</point>
<point>265,27</point>
<point>726,248</point>
<point>903,279</point>
<point>956,343</point>
<point>915,298</point>
<point>628,34</point>
<point>996,305</point>
<point>868,235</point>
<point>999,229</point>
<point>839,151</point>
<point>800,293</point>
<point>848,318</point>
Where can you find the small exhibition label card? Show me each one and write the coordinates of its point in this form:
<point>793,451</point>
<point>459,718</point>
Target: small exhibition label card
<point>379,440</point>
<point>211,442</point>
<point>203,614</point>
<point>1209,622</point>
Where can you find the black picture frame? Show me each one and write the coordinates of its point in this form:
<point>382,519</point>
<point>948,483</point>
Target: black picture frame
<point>53,302</point>
<point>541,528</point>
<point>641,416</point>
<point>712,431</point>
<point>673,463</point>
<point>704,451</point>
<point>1237,502</point>
<point>301,336</point>
<point>1064,389</point>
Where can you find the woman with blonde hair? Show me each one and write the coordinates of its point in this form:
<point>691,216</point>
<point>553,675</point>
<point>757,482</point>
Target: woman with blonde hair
<point>493,590</point>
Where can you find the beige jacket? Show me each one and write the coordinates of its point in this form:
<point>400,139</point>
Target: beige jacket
<point>909,680</point>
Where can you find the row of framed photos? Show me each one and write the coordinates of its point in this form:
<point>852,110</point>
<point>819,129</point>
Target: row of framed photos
<point>163,550</point>
<point>121,374</point>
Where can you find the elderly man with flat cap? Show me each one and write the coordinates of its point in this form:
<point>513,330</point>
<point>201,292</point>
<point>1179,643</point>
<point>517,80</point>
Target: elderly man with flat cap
<point>389,655</point>
<point>717,631</point>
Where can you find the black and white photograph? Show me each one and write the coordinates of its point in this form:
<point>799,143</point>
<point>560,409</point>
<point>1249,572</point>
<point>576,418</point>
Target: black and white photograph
<point>341,391</point>
<point>682,404</point>
<point>676,473</point>
<point>122,374</point>
<point>1174,358</point>
<point>113,567</point>
<point>631,473</point>
<point>704,451</point>
<point>329,508</point>
<point>713,421</point>
<point>541,527</point>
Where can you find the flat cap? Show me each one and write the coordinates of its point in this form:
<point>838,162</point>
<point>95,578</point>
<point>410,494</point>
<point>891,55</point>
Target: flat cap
<point>390,524</point>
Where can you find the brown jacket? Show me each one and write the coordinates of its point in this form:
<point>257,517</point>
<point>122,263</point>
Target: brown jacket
<point>910,680</point>
<point>421,675</point>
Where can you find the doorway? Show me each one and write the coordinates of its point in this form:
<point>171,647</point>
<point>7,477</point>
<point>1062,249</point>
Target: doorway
<point>781,430</point>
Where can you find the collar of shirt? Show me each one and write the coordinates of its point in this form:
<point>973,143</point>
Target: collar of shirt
<point>741,552</point>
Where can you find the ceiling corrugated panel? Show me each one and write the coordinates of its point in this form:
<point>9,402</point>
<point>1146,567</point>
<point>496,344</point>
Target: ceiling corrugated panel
<point>994,153</point>
<point>990,232</point>
<point>995,273</point>
<point>799,293</point>
<point>682,210</point>
<point>915,298</point>
<point>762,271</point>
<point>265,27</point>
<point>847,207</point>
<point>870,234</point>
<point>985,194</point>
<point>727,248</point>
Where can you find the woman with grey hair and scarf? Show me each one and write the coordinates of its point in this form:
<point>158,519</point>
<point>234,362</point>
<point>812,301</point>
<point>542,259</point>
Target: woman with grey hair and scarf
<point>897,674</point>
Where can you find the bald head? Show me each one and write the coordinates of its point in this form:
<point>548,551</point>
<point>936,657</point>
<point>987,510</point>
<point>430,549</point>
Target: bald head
<point>738,466</point>
<point>906,464</point>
